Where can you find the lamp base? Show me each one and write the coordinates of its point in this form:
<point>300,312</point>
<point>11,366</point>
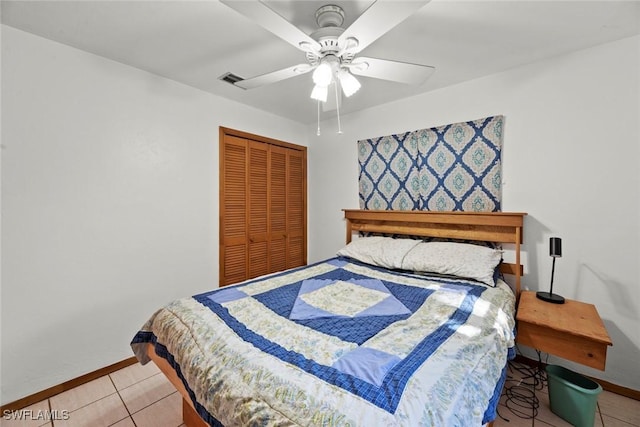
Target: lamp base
<point>549,297</point>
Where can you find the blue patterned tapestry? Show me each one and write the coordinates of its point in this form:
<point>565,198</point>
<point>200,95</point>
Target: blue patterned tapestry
<point>455,167</point>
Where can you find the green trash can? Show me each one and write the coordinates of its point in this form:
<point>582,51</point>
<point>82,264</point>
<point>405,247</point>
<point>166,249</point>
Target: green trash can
<point>573,397</point>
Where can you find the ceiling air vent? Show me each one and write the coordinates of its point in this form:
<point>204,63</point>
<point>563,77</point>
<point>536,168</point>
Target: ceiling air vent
<point>230,78</point>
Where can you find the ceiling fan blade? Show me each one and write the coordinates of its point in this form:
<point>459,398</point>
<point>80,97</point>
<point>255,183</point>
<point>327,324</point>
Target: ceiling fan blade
<point>274,76</point>
<point>395,71</point>
<point>270,20</point>
<point>379,18</point>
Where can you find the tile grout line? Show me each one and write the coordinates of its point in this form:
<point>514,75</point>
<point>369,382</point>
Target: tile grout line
<point>144,407</point>
<point>123,403</point>
<point>87,404</point>
<point>52,423</point>
<point>137,382</point>
<point>151,404</point>
<point>616,417</point>
<point>600,413</point>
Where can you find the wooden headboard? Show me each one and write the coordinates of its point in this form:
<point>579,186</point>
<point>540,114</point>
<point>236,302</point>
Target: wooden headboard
<point>496,227</point>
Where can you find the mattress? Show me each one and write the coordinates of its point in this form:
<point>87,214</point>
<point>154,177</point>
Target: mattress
<point>340,343</point>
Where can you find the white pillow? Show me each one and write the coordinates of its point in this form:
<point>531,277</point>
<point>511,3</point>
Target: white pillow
<point>457,259</point>
<point>384,252</point>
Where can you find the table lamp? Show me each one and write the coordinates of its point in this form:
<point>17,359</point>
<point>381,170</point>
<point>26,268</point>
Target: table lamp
<point>555,251</point>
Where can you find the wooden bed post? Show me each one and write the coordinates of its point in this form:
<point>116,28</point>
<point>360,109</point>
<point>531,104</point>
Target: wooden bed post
<point>519,272</point>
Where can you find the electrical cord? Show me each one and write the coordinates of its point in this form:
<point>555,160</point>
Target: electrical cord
<point>520,398</point>
<point>520,388</point>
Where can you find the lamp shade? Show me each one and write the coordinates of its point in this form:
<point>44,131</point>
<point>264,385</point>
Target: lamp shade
<point>323,75</point>
<point>320,93</point>
<point>349,83</point>
<point>555,247</point>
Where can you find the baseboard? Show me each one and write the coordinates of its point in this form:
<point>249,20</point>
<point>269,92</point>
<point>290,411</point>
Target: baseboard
<point>606,385</point>
<point>67,385</point>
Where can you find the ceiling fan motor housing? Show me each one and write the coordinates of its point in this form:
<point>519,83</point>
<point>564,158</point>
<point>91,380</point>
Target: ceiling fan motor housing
<point>329,16</point>
<point>330,19</point>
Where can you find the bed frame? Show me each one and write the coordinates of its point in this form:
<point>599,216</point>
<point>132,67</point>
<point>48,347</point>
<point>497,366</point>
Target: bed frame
<point>496,227</point>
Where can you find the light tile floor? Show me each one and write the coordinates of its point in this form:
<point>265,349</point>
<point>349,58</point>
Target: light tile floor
<point>140,396</point>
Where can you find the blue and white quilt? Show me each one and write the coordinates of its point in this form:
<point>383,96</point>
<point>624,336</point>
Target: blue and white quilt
<point>339,343</point>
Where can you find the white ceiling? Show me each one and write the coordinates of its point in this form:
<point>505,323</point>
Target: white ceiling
<point>195,42</point>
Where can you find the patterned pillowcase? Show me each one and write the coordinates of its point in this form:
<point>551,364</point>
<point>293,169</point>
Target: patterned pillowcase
<point>458,259</point>
<point>382,251</point>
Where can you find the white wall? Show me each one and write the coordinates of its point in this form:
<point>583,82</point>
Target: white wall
<point>109,204</point>
<point>571,160</point>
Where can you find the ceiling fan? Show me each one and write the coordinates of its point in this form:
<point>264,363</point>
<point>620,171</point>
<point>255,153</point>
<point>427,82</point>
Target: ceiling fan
<point>332,51</point>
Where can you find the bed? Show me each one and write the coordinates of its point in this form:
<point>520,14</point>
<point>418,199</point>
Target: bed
<point>390,331</point>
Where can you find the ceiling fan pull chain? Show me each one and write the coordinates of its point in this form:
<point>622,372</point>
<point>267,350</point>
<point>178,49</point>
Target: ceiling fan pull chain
<point>335,85</point>
<point>318,132</point>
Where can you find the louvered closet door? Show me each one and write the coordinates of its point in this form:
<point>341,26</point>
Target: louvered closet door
<point>258,209</point>
<point>296,209</point>
<point>278,208</point>
<point>233,211</point>
<point>262,208</point>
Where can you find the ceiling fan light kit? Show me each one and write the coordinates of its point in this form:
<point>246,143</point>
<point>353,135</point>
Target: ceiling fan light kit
<point>331,50</point>
<point>323,74</point>
<point>319,93</point>
<point>349,84</point>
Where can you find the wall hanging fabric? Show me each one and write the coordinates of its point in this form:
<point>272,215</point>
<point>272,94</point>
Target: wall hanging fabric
<point>455,167</point>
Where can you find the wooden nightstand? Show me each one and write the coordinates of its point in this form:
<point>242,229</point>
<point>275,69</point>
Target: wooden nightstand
<point>572,330</point>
